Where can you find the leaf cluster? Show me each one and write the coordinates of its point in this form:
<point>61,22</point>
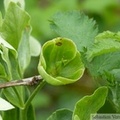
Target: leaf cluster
<point>16,50</point>
<point>100,52</point>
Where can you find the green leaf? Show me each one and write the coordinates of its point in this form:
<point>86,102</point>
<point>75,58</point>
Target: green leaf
<point>90,104</point>
<point>14,23</point>
<point>61,114</point>
<point>7,45</point>
<point>6,60</point>
<point>9,61</point>
<point>103,47</point>
<point>75,26</point>
<point>21,3</point>
<point>14,97</point>
<point>103,64</point>
<point>16,30</point>
<point>11,71</point>
<point>103,57</point>
<point>24,56</point>
<point>2,71</point>
<point>60,62</point>
<point>35,47</point>
<point>108,35</point>
<point>4,105</point>
<point>30,113</point>
<point>11,114</point>
<point>15,70</point>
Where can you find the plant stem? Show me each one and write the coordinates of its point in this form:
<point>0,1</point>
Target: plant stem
<point>34,93</point>
<point>22,114</point>
<point>27,81</point>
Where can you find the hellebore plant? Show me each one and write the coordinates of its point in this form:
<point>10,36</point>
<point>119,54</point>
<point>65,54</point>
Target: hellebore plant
<point>59,62</point>
<point>63,60</point>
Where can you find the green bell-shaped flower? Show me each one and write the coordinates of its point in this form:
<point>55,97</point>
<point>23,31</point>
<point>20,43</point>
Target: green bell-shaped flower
<point>60,62</point>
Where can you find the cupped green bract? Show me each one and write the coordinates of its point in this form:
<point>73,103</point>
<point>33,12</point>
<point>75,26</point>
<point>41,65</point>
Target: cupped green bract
<point>60,62</point>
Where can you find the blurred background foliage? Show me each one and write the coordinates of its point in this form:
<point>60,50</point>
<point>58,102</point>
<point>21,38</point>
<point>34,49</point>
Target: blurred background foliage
<point>107,16</point>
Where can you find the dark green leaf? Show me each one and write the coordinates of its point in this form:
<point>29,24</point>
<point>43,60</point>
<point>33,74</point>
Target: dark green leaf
<point>75,26</point>
<point>90,104</point>
<point>11,114</point>
<point>30,113</point>
<point>62,114</point>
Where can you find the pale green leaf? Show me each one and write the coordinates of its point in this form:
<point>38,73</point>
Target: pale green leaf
<point>90,104</point>
<point>35,47</point>
<point>75,26</point>
<point>5,105</point>
<point>21,3</point>
<point>1,117</point>
<point>15,69</point>
<point>14,23</point>
<point>6,60</point>
<point>61,114</point>
<point>10,63</point>
<point>7,45</point>
<point>16,30</point>
<point>9,60</point>
<point>24,55</point>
